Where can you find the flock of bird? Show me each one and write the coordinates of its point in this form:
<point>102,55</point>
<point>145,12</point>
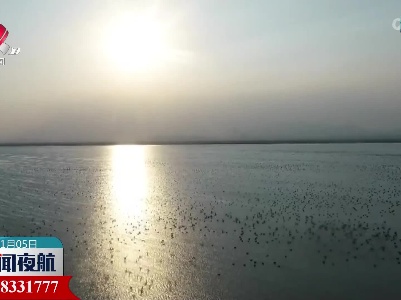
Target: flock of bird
<point>203,224</point>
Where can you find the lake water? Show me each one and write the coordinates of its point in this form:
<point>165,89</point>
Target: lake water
<point>213,221</point>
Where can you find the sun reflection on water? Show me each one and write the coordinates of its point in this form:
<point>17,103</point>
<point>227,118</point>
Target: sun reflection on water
<point>129,180</point>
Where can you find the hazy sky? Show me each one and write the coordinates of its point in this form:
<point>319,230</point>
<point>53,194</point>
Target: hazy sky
<point>234,69</point>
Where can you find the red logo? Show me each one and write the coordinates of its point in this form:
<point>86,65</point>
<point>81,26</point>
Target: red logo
<point>4,48</point>
<point>3,34</point>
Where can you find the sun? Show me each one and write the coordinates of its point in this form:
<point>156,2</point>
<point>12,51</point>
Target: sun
<point>136,43</point>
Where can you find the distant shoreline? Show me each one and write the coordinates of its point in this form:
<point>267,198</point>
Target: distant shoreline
<point>211,142</point>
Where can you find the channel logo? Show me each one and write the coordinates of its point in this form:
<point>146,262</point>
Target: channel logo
<point>4,47</point>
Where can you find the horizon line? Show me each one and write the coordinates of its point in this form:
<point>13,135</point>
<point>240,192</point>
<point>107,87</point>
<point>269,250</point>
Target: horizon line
<point>209,142</point>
